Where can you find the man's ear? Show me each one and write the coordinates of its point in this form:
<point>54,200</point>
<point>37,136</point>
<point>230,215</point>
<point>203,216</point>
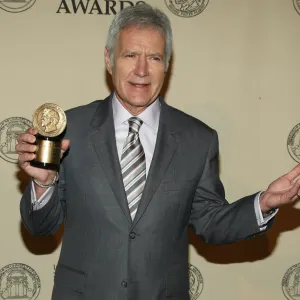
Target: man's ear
<point>107,61</point>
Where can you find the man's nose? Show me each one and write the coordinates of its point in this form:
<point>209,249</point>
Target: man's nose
<point>142,67</point>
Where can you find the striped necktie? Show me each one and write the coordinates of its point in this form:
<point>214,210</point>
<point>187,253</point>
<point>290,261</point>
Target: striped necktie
<point>133,166</point>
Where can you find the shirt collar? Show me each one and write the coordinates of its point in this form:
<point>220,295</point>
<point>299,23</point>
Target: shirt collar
<point>150,116</point>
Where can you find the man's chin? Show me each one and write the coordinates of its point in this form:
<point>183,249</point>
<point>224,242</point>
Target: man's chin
<point>142,103</point>
<point>140,100</point>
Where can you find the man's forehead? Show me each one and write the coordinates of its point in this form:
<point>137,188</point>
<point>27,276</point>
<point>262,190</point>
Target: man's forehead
<point>140,30</point>
<point>133,37</point>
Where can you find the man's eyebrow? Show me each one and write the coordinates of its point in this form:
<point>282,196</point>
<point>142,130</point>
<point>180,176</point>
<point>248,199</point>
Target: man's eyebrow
<point>156,54</point>
<point>129,51</point>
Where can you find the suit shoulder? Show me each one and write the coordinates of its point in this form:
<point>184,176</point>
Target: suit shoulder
<point>83,110</point>
<point>79,118</point>
<point>190,123</point>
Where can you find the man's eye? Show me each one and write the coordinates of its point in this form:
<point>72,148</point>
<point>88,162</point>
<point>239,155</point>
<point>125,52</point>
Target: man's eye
<point>129,55</point>
<point>156,58</point>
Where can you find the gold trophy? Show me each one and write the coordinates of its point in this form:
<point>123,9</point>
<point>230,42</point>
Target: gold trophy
<point>50,121</point>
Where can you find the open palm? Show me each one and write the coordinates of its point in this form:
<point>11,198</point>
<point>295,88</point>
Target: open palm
<point>282,191</point>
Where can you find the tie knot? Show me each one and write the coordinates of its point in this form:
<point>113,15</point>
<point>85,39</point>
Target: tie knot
<point>134,124</point>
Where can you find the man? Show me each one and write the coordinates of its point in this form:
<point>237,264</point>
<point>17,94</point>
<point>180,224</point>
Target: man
<point>137,173</point>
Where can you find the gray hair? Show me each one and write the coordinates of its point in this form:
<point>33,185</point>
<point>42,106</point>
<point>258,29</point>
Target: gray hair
<point>141,15</point>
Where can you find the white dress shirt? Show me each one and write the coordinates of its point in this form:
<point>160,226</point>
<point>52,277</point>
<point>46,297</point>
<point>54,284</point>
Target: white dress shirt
<point>148,134</point>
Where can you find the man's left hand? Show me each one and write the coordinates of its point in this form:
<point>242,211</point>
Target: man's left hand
<point>283,190</point>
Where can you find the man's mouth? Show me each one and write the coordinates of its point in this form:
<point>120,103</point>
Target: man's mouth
<point>140,85</point>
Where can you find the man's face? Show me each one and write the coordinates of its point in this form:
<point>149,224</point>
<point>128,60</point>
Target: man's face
<point>139,67</point>
<point>45,120</point>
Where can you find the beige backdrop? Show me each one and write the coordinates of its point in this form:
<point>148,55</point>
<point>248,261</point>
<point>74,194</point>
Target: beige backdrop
<point>235,66</point>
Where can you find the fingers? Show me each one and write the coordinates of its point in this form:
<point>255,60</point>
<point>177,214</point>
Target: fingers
<point>27,137</point>
<point>32,131</point>
<point>25,143</point>
<point>25,147</point>
<point>295,190</point>
<point>298,192</point>
<point>294,173</point>
<point>64,147</point>
<point>25,158</point>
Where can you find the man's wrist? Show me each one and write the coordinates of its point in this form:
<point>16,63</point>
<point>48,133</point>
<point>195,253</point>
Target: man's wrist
<point>269,212</point>
<point>266,211</point>
<point>47,185</point>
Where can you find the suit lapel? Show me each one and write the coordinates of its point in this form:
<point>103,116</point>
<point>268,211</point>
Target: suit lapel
<point>104,143</point>
<point>166,145</point>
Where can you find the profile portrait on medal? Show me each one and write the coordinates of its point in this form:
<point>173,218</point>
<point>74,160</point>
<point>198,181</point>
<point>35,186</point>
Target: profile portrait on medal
<point>49,119</point>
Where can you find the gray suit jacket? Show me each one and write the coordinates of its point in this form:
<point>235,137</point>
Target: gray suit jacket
<point>104,254</point>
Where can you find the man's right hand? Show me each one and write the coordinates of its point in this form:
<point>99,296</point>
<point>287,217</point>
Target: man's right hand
<point>26,153</point>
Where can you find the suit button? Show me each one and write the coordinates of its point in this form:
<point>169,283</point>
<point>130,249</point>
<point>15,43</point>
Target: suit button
<point>132,235</point>
<point>124,284</point>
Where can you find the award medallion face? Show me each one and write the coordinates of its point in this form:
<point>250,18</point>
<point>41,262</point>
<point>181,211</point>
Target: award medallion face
<point>49,120</point>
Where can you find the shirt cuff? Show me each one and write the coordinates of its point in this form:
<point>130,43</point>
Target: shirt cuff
<point>262,219</point>
<point>43,200</point>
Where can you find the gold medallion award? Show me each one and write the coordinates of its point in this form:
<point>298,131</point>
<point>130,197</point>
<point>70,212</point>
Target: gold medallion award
<point>50,121</point>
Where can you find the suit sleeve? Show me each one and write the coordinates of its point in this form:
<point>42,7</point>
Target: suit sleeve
<point>46,220</point>
<point>212,217</point>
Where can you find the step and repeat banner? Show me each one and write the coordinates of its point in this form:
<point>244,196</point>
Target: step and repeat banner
<point>235,66</point>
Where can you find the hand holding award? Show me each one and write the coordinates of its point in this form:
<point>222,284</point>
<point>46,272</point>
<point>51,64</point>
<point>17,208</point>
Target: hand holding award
<point>50,121</point>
